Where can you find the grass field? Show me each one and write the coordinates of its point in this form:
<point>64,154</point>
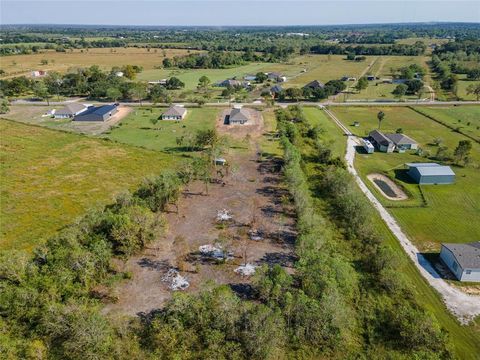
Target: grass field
<point>465,339</point>
<point>106,58</point>
<point>467,118</point>
<point>452,209</point>
<point>137,128</point>
<point>49,178</point>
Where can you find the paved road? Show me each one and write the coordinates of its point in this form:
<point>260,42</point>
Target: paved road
<point>465,307</point>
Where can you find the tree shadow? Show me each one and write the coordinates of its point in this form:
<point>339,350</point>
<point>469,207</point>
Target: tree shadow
<point>158,265</point>
<point>278,258</point>
<point>244,291</point>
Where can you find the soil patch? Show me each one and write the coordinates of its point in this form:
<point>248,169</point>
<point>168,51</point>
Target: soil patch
<point>254,127</point>
<point>251,194</point>
<point>387,187</point>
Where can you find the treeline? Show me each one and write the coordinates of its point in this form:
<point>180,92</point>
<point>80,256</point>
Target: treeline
<point>306,93</point>
<point>418,48</point>
<point>91,82</point>
<point>384,319</point>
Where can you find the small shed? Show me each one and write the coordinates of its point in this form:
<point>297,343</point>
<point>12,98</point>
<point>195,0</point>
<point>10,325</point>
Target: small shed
<point>431,173</point>
<point>463,260</point>
<point>175,112</point>
<point>97,113</point>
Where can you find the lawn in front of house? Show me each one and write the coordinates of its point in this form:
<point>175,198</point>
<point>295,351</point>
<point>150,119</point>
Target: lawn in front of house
<point>452,211</point>
<point>138,129</point>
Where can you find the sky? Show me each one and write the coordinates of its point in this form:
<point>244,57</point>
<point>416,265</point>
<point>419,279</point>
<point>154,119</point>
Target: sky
<point>235,12</point>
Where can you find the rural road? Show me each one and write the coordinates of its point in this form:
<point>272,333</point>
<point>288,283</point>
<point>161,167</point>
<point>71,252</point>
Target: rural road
<point>464,306</point>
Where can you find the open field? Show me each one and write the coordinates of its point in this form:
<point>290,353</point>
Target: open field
<point>452,210</point>
<point>467,118</point>
<point>49,178</point>
<point>105,58</point>
<point>465,339</point>
<point>138,130</point>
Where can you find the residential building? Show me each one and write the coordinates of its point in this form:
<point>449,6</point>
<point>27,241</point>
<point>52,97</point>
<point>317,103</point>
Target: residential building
<point>97,113</point>
<point>402,142</point>
<point>383,143</point>
<point>239,116</point>
<point>275,76</point>
<point>175,112</point>
<point>314,85</point>
<point>430,173</point>
<point>463,260</point>
<point>70,110</point>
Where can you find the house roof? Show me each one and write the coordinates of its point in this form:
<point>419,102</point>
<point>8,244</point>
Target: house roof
<point>400,139</point>
<point>315,84</point>
<point>467,255</point>
<point>71,109</point>
<point>175,111</point>
<point>428,169</point>
<point>98,110</point>
<point>380,138</point>
<point>276,89</point>
<point>241,114</point>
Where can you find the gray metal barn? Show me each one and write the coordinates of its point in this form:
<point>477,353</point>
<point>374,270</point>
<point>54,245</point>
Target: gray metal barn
<point>97,113</point>
<point>431,173</point>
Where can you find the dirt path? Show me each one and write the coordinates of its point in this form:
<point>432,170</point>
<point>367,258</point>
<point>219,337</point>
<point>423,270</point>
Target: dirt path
<point>464,306</point>
<point>255,185</point>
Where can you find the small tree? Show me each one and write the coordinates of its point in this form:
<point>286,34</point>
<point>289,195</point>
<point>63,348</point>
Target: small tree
<point>361,84</point>
<point>4,108</point>
<point>462,151</point>
<point>400,91</point>
<point>380,117</point>
<point>474,90</point>
<point>41,90</point>
<point>113,93</point>
<point>437,141</point>
<point>260,77</point>
<point>203,83</point>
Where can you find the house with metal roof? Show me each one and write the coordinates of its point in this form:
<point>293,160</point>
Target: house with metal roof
<point>276,89</point>
<point>175,112</point>
<point>70,110</point>
<point>97,113</point>
<point>402,142</point>
<point>239,116</point>
<point>430,173</point>
<point>383,143</point>
<point>463,260</point>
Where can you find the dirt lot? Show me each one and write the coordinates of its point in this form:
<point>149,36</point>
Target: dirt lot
<point>252,191</point>
<point>253,128</point>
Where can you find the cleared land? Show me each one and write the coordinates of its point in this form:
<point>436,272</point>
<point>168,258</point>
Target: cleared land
<point>465,339</point>
<point>138,129</point>
<point>105,58</point>
<point>451,211</point>
<point>49,178</point>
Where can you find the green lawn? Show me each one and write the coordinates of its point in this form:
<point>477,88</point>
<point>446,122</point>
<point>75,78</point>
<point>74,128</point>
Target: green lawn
<point>453,210</point>
<point>49,178</point>
<point>465,339</point>
<point>467,117</point>
<point>137,128</point>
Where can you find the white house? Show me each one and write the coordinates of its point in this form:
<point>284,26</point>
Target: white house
<point>175,112</point>
<point>463,260</point>
<point>70,111</point>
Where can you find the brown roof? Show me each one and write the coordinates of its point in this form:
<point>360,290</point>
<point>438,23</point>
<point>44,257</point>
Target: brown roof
<point>71,109</point>
<point>399,139</point>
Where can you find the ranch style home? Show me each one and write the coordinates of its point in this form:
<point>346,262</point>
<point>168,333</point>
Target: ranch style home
<point>430,173</point>
<point>70,111</point>
<point>463,260</point>
<point>175,112</point>
<point>314,85</point>
<point>391,142</point>
<point>239,116</point>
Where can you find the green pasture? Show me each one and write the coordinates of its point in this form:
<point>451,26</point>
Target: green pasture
<point>49,178</point>
<point>138,129</point>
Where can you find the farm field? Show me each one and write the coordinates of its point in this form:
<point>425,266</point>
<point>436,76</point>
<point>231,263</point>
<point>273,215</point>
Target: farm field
<point>452,209</point>
<point>467,118</point>
<point>49,178</point>
<point>137,128</point>
<point>105,58</point>
<point>465,339</point>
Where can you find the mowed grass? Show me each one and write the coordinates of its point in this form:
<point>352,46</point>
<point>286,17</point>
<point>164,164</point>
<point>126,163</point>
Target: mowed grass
<point>137,128</point>
<point>466,118</point>
<point>453,210</point>
<point>105,58</point>
<point>465,339</point>
<point>49,178</point>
